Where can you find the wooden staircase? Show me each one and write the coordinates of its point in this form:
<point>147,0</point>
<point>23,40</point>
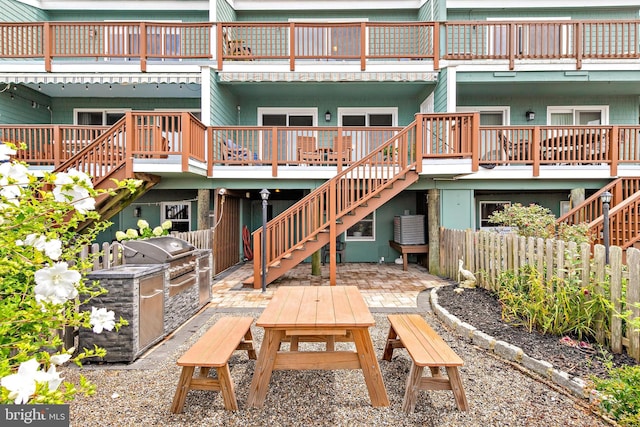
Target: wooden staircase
<point>338,204</point>
<point>105,159</point>
<point>624,213</point>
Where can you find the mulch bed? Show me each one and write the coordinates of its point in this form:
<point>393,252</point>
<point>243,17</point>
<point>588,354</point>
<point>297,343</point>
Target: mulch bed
<point>480,308</point>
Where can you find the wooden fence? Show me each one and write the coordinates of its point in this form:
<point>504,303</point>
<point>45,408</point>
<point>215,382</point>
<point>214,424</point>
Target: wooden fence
<point>488,254</point>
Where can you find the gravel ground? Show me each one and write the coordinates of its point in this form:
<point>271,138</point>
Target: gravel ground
<point>499,393</point>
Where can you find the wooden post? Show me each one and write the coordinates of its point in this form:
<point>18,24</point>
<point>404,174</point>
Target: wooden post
<point>433,229</point>
<point>204,200</point>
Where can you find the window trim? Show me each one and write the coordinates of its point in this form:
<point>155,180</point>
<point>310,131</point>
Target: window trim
<point>312,111</point>
<point>480,219</point>
<point>163,217</point>
<point>504,109</point>
<point>365,111</point>
<point>371,238</point>
<point>604,112</point>
<point>103,111</point>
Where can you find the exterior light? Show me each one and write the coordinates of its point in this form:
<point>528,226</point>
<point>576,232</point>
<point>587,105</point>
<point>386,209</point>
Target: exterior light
<point>264,194</point>
<point>327,116</point>
<point>530,115</point>
<point>605,198</point>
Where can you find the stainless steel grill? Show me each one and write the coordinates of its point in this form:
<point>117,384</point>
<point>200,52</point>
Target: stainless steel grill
<point>178,253</point>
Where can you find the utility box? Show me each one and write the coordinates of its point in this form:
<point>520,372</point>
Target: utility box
<point>409,229</point>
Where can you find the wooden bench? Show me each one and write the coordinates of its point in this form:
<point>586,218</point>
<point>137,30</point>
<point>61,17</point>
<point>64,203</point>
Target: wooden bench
<point>213,350</point>
<point>427,349</point>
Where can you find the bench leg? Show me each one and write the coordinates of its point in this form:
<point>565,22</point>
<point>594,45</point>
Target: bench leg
<point>412,388</point>
<point>252,351</point>
<point>456,387</point>
<point>183,388</point>
<point>227,389</point>
<point>388,348</point>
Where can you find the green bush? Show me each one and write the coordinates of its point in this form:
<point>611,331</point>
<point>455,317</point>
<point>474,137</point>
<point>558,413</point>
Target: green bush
<point>621,394</point>
<point>562,306</point>
<point>538,221</point>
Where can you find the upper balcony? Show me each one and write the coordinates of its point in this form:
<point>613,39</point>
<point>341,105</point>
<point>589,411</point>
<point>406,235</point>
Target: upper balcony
<point>292,44</point>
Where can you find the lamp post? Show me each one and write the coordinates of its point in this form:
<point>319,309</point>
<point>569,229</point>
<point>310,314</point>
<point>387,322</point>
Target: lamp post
<point>605,198</point>
<point>264,194</point>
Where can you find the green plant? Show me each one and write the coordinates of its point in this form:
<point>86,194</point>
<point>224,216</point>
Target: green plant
<point>620,394</point>
<point>538,221</point>
<point>562,306</point>
<point>42,282</point>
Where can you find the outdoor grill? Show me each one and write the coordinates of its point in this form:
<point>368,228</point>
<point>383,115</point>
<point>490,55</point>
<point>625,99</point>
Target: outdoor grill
<point>162,284</point>
<point>179,254</point>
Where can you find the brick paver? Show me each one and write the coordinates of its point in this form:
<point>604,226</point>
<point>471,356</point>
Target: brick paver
<point>382,285</point>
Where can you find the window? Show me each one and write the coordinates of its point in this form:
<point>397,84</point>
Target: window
<point>578,115</point>
<point>366,141</point>
<point>540,40</point>
<point>179,213</point>
<point>363,229</point>
<point>487,209</point>
<point>325,41</point>
<point>97,117</point>
<point>284,117</point>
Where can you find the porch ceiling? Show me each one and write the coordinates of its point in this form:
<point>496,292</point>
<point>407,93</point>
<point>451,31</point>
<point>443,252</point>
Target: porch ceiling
<point>314,90</point>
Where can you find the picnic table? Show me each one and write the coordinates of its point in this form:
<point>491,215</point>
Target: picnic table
<point>325,312</point>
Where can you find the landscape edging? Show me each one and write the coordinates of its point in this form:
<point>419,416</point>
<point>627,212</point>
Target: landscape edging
<point>575,385</point>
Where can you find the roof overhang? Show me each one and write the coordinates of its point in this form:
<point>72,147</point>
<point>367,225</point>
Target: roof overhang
<point>91,78</point>
<point>242,77</point>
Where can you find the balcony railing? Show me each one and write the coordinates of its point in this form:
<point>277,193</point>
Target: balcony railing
<point>299,42</point>
<point>551,40</point>
<point>160,135</point>
<point>304,41</point>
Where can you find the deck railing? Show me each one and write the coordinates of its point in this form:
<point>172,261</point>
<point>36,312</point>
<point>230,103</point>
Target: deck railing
<point>542,40</point>
<point>300,42</point>
<point>303,41</point>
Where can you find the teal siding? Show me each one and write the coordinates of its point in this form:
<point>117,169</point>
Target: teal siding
<point>130,15</point>
<point>440,95</point>
<point>622,109</point>
<point>20,110</point>
<point>371,15</point>
<point>63,107</point>
<point>224,12</point>
<point>456,209</point>
<point>433,11</point>
<point>223,104</point>
<point>603,13</point>
<point>15,11</point>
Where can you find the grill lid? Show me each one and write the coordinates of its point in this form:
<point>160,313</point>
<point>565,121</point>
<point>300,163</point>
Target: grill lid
<point>156,250</point>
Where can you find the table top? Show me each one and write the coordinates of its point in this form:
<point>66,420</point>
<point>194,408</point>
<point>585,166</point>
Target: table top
<point>308,307</point>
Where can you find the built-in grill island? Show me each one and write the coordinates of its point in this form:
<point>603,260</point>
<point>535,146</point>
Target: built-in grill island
<point>165,281</point>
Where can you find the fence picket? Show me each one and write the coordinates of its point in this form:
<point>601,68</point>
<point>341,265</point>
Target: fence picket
<point>489,254</point>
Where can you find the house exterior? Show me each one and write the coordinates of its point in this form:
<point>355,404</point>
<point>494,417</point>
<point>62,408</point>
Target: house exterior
<point>481,104</point>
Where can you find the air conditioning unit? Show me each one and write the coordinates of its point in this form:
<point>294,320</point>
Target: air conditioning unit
<point>409,229</point>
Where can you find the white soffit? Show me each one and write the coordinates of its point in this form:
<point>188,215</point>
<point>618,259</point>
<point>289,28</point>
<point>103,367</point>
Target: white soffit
<point>88,78</point>
<point>327,77</point>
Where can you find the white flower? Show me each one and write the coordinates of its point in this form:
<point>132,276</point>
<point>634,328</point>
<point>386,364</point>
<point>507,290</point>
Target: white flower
<point>166,225</point>
<point>12,176</point>
<point>73,187</point>
<point>158,231</point>
<point>102,319</point>
<point>51,376</point>
<point>132,234</point>
<point>120,235</point>
<point>56,284</point>
<point>6,152</point>
<point>142,224</point>
<point>60,359</point>
<point>53,249</point>
<point>22,385</point>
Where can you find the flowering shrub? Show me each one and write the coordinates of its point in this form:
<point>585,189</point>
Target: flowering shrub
<point>144,231</point>
<point>537,221</point>
<point>42,285</point>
